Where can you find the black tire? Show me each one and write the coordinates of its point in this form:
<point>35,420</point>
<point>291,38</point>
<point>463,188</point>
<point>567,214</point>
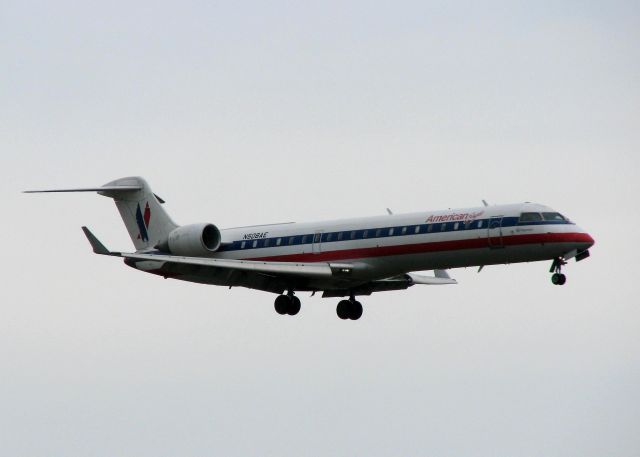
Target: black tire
<point>342,310</point>
<point>555,278</point>
<point>294,306</point>
<point>282,304</point>
<point>562,280</point>
<point>355,311</point>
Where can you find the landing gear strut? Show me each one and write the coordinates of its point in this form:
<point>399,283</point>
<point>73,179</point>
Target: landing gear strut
<point>349,309</point>
<point>557,277</point>
<point>287,304</point>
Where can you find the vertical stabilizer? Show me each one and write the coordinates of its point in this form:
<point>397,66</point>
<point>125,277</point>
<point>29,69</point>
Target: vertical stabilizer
<point>146,220</point>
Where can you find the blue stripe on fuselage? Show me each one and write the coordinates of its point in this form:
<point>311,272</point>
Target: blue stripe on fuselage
<point>372,233</point>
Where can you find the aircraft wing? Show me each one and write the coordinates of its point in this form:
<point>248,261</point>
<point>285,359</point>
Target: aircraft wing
<point>315,269</point>
<point>257,270</point>
<point>278,268</point>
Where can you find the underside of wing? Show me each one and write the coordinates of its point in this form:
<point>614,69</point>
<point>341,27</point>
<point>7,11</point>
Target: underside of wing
<point>276,268</point>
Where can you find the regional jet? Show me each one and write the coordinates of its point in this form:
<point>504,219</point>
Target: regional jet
<point>340,258</point>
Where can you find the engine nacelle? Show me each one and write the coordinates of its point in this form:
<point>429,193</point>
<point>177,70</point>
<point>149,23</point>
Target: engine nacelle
<point>193,240</point>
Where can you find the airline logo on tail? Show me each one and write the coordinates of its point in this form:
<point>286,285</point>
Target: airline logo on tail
<point>143,221</point>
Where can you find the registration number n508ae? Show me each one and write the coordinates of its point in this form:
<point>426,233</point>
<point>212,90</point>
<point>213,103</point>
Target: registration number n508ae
<point>254,236</point>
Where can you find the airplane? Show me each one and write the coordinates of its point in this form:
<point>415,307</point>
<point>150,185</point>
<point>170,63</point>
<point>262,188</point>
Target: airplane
<point>340,258</point>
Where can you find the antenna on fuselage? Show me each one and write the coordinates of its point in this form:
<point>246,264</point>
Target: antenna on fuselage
<point>390,212</point>
<point>484,202</point>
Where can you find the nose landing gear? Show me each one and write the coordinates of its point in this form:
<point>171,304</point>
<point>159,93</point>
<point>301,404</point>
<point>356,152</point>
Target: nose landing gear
<point>557,277</point>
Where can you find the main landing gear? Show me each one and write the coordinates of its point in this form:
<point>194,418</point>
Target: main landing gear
<point>290,304</point>
<point>349,309</point>
<point>287,304</point>
<point>557,277</point>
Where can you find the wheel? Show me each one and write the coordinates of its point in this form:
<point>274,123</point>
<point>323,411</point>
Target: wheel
<point>562,279</point>
<point>355,310</point>
<point>343,309</point>
<point>282,304</point>
<point>555,278</point>
<point>294,305</point>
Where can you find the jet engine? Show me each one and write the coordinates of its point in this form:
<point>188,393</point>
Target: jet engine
<point>193,240</point>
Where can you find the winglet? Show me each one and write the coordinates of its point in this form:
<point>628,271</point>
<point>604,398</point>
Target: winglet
<point>97,246</point>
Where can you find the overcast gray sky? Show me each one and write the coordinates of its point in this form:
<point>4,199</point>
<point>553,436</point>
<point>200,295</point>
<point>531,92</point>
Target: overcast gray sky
<point>256,112</point>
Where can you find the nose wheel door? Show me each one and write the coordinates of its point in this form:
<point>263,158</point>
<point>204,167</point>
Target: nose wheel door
<point>494,233</point>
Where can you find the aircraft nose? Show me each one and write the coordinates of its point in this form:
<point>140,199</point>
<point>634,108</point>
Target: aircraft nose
<point>590,239</point>
<point>584,239</point>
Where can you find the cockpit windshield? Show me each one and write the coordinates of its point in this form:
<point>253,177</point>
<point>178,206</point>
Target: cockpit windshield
<point>539,217</point>
<point>553,217</point>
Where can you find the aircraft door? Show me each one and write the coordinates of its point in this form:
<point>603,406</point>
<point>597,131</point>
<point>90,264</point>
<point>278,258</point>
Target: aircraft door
<point>317,242</point>
<point>494,232</point>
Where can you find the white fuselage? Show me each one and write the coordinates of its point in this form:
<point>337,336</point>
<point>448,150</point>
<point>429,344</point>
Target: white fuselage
<point>387,245</point>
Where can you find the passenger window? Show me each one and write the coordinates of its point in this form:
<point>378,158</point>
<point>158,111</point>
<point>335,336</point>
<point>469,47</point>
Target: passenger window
<point>266,242</point>
<point>430,228</point>
<point>291,240</point>
<point>255,243</point>
<point>304,239</point>
<point>417,230</point>
<point>353,234</point>
<point>242,245</point>
<point>329,236</point>
<point>278,241</point>
<point>456,225</point>
<point>404,230</point>
<point>390,232</point>
<point>443,227</point>
<point>364,234</point>
<point>340,236</point>
<point>553,217</point>
<point>378,233</point>
<point>530,217</point>
<point>479,224</point>
<point>316,238</point>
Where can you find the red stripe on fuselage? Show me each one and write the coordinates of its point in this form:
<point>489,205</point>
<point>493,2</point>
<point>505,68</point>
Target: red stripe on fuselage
<point>438,246</point>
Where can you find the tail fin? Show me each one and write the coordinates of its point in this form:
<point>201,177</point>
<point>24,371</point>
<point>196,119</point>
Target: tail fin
<point>146,221</point>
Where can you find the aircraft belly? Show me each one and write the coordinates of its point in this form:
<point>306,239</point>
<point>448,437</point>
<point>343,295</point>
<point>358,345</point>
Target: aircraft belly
<point>369,269</point>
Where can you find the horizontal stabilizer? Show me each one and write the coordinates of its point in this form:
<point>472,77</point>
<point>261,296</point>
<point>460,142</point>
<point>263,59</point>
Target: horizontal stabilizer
<point>87,189</point>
